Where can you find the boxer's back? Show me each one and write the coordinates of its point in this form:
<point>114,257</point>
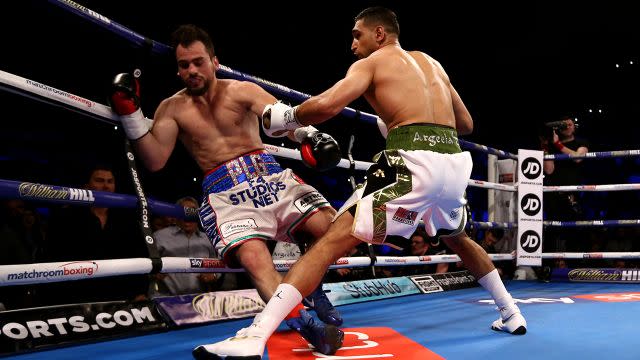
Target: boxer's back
<point>409,87</point>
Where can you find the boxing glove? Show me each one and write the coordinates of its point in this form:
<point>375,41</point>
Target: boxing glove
<point>278,119</point>
<point>319,151</point>
<point>125,101</point>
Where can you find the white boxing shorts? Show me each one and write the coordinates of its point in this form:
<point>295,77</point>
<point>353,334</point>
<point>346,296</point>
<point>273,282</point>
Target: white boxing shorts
<point>426,181</point>
<point>253,198</point>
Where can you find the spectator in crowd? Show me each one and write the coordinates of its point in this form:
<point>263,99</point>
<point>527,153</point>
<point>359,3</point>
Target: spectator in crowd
<point>496,241</point>
<point>423,245</point>
<point>620,264</point>
<point>352,273</point>
<point>80,233</point>
<point>560,264</point>
<point>562,206</point>
<point>21,237</point>
<point>184,239</point>
<point>159,222</point>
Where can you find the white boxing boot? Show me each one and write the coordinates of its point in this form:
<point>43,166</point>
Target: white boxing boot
<point>511,321</point>
<point>248,344</point>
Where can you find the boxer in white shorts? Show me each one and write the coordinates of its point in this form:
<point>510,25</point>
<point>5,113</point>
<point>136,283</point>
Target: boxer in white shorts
<point>253,198</point>
<point>216,120</point>
<point>422,175</point>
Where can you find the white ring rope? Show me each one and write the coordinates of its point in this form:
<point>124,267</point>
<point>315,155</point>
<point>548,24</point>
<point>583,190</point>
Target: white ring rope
<point>611,187</point>
<point>77,270</point>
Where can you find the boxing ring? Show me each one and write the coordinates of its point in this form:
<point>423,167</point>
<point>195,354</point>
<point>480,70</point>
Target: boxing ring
<point>563,323</point>
<point>565,319</point>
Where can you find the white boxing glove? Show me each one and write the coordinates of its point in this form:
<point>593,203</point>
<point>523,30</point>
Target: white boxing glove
<point>382,126</point>
<point>278,119</point>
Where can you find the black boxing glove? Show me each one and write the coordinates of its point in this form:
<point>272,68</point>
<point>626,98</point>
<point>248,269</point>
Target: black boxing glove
<point>125,101</point>
<point>319,151</point>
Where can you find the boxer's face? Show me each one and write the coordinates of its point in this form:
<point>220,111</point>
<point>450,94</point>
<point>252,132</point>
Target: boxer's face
<point>364,40</point>
<point>196,67</point>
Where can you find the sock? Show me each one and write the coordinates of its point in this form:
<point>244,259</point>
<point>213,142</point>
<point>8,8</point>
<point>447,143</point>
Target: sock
<point>493,284</point>
<point>284,299</point>
<point>295,312</point>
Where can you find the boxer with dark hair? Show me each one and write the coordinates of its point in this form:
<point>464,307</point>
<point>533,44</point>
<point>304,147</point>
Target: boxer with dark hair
<point>422,174</point>
<point>249,197</point>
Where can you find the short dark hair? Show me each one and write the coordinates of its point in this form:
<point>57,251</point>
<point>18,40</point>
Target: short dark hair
<point>378,15</point>
<point>99,167</point>
<point>184,199</point>
<point>420,232</point>
<point>186,35</point>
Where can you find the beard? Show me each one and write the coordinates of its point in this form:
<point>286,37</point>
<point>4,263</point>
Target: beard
<point>198,91</point>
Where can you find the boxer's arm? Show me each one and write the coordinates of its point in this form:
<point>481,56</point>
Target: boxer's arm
<point>464,122</point>
<point>155,147</point>
<point>254,97</point>
<point>322,107</point>
<point>257,100</point>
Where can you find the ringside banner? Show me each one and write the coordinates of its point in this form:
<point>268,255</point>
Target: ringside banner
<point>529,241</point>
<point>38,328</point>
<point>366,290</point>
<point>213,306</point>
<point>599,275</point>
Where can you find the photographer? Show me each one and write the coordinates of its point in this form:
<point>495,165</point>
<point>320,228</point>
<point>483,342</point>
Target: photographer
<point>563,206</point>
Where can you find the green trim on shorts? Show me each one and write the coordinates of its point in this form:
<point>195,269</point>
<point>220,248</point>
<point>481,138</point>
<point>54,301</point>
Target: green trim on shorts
<point>423,136</point>
<point>304,216</point>
<point>402,186</point>
<point>232,244</point>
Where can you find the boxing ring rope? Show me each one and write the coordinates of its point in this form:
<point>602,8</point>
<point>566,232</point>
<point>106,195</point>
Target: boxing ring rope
<point>23,274</point>
<point>611,187</point>
<point>592,155</point>
<point>76,270</point>
<point>10,189</point>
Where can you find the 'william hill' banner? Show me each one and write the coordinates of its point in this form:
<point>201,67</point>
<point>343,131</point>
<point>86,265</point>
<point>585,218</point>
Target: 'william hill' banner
<point>606,275</point>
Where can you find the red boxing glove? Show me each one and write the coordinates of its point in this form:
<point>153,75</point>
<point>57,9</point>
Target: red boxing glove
<point>125,95</point>
<point>125,101</point>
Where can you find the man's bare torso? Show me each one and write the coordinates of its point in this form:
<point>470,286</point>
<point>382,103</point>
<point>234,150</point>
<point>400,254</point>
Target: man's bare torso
<point>216,131</point>
<point>409,87</point>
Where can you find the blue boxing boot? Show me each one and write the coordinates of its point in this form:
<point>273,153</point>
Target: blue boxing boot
<point>319,302</point>
<point>326,338</point>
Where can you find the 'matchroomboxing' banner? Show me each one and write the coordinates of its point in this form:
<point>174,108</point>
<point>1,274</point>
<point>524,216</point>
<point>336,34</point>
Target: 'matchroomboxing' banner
<point>529,244</point>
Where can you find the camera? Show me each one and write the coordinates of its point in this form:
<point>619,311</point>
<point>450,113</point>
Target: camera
<point>557,125</point>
